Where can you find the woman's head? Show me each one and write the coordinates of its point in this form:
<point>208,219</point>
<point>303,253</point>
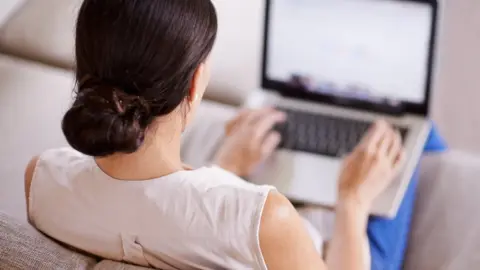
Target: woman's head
<point>137,60</point>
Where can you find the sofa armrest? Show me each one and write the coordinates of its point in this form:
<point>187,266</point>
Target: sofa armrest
<point>446,224</point>
<point>23,247</point>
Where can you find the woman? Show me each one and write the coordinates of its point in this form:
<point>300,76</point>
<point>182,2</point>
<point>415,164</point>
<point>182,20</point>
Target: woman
<point>124,194</point>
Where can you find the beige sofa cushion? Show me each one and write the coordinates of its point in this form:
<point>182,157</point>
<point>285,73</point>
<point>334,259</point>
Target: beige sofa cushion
<point>33,98</point>
<point>23,247</point>
<point>42,30</point>
<point>446,225</point>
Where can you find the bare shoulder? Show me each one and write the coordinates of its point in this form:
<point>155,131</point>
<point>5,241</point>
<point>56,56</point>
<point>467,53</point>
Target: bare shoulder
<point>29,171</point>
<point>277,209</point>
<point>284,239</point>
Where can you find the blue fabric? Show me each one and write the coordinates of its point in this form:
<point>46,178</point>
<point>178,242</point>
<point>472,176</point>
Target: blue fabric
<point>388,237</point>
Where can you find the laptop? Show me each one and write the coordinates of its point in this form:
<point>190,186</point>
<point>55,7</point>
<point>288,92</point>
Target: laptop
<point>336,66</point>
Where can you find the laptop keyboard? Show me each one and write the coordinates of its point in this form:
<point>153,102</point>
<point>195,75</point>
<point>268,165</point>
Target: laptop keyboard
<point>321,134</point>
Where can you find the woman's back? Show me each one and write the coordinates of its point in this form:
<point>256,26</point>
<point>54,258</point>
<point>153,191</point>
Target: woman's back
<point>201,219</point>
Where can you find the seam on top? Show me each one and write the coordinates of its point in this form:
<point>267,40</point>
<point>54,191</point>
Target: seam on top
<point>258,220</point>
<point>31,200</point>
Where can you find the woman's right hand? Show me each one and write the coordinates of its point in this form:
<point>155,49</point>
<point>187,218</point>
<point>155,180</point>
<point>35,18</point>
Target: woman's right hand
<point>372,166</point>
<point>249,140</point>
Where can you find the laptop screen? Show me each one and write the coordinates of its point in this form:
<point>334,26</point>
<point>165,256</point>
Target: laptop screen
<point>378,51</point>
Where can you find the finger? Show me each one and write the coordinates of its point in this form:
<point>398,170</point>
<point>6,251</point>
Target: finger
<point>386,142</point>
<point>245,118</point>
<point>395,147</point>
<point>270,143</point>
<point>370,131</point>
<point>265,125</point>
<point>232,124</point>
<point>242,114</point>
<point>376,135</point>
<point>378,125</point>
<point>255,116</point>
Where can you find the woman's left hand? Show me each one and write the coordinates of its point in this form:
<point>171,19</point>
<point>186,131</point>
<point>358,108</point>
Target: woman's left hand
<point>249,141</point>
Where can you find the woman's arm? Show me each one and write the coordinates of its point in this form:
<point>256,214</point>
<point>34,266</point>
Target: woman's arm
<point>349,247</point>
<point>284,239</point>
<point>286,244</point>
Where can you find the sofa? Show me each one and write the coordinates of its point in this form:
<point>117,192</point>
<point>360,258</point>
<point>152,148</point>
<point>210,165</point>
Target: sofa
<point>36,83</point>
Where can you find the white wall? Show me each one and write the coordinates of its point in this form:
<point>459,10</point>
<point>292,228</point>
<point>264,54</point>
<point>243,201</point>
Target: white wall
<point>236,64</point>
<point>237,54</point>
<point>457,97</point>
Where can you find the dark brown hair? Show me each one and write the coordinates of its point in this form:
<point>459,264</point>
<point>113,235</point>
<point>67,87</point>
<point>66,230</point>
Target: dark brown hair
<point>135,61</point>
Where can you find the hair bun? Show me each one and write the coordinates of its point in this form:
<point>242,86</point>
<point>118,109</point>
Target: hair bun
<point>104,120</point>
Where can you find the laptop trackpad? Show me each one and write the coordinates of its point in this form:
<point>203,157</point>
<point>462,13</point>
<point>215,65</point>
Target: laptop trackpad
<point>302,177</point>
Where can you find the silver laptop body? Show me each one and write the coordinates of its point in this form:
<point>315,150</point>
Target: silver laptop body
<point>351,59</point>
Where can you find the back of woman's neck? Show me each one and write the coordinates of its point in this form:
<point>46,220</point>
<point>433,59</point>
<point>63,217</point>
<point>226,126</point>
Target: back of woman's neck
<point>149,162</point>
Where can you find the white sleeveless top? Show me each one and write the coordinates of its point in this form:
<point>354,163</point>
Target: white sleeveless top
<point>201,219</point>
